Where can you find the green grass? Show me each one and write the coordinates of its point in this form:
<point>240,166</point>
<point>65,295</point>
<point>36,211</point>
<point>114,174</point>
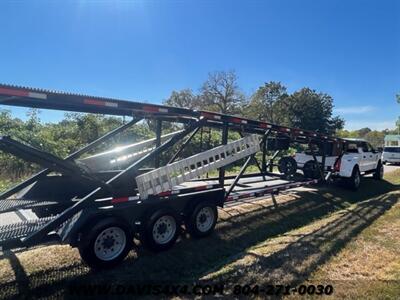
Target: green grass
<point>4,184</point>
<point>254,243</point>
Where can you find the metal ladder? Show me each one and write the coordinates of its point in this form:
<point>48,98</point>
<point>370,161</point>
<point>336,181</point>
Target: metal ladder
<point>165,178</point>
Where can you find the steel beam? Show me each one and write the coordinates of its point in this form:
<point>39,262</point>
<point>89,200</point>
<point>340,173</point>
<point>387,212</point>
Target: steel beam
<point>224,142</point>
<point>158,142</point>
<point>173,158</point>
<point>242,170</point>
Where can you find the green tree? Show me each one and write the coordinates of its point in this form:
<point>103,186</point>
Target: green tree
<point>310,110</point>
<point>221,93</point>
<point>267,103</point>
<point>184,98</point>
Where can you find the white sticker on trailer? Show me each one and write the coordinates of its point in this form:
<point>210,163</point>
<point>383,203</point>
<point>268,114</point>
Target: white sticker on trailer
<point>37,95</point>
<point>111,104</point>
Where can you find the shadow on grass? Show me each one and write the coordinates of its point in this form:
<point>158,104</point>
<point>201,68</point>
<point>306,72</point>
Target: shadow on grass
<point>191,259</point>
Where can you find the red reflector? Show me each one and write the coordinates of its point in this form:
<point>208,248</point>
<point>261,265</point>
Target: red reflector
<point>337,165</point>
<point>150,108</point>
<point>199,188</point>
<point>119,200</point>
<point>167,193</point>
<point>236,120</point>
<point>12,92</point>
<point>207,115</point>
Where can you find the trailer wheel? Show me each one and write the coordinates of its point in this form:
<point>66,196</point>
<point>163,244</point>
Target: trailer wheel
<point>355,179</point>
<point>161,230</point>
<point>378,174</point>
<point>106,244</point>
<point>311,170</point>
<point>202,220</point>
<point>287,165</point>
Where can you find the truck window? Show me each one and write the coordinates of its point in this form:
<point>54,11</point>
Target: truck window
<point>352,148</point>
<point>364,147</point>
<point>392,149</point>
<point>370,148</point>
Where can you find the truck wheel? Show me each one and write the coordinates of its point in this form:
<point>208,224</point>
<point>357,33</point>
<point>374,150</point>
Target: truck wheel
<point>161,230</point>
<point>355,179</point>
<point>202,220</point>
<point>311,170</point>
<point>287,165</point>
<point>378,174</point>
<point>106,243</point>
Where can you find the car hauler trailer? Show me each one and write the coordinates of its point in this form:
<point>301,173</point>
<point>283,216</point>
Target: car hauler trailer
<point>99,203</point>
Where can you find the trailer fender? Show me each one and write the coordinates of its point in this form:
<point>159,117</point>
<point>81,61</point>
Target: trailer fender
<point>72,229</point>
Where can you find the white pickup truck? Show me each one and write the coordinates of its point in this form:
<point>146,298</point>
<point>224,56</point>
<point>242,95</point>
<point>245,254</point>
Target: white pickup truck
<point>391,155</point>
<point>359,158</point>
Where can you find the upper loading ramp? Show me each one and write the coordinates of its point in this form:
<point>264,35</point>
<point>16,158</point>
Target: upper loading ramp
<point>120,157</point>
<point>43,99</point>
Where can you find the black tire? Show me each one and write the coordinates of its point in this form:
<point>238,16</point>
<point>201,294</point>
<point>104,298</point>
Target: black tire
<point>378,174</point>
<point>287,165</point>
<point>161,230</point>
<point>105,235</point>
<point>355,180</point>
<point>311,170</point>
<point>201,222</point>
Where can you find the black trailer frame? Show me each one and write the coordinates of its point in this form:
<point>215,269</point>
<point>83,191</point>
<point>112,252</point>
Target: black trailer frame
<point>111,195</point>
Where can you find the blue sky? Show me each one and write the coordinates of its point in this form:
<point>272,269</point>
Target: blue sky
<point>142,50</point>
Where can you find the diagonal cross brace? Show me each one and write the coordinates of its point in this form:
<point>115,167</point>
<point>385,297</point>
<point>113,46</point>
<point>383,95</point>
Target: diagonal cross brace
<point>72,156</point>
<point>85,202</point>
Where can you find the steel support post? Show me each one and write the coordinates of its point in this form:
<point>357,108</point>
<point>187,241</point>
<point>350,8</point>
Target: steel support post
<point>224,142</point>
<point>242,170</point>
<point>158,142</point>
<point>184,145</point>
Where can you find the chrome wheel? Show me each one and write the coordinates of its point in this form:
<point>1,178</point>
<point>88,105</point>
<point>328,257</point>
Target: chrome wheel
<point>110,243</point>
<point>164,229</point>
<point>205,219</point>
<point>381,172</point>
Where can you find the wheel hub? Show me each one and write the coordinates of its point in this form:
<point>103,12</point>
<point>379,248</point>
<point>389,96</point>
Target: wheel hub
<point>205,219</point>
<point>164,229</point>
<point>110,243</point>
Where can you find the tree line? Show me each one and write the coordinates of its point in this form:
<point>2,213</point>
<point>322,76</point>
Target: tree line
<point>305,108</point>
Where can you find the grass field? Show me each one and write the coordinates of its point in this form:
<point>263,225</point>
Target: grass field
<point>350,240</point>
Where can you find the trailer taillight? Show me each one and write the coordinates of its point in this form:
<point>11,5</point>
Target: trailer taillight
<point>338,162</point>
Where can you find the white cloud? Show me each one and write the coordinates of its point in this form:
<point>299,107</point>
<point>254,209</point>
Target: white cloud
<point>354,110</point>
<point>374,125</point>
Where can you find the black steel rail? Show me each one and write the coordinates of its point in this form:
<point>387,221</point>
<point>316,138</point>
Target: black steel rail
<point>45,99</point>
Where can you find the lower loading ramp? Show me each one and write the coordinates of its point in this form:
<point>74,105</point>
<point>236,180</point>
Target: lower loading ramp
<point>18,224</point>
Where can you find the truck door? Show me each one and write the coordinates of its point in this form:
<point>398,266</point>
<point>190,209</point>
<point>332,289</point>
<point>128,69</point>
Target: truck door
<point>368,157</point>
<point>364,156</point>
<point>373,157</point>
